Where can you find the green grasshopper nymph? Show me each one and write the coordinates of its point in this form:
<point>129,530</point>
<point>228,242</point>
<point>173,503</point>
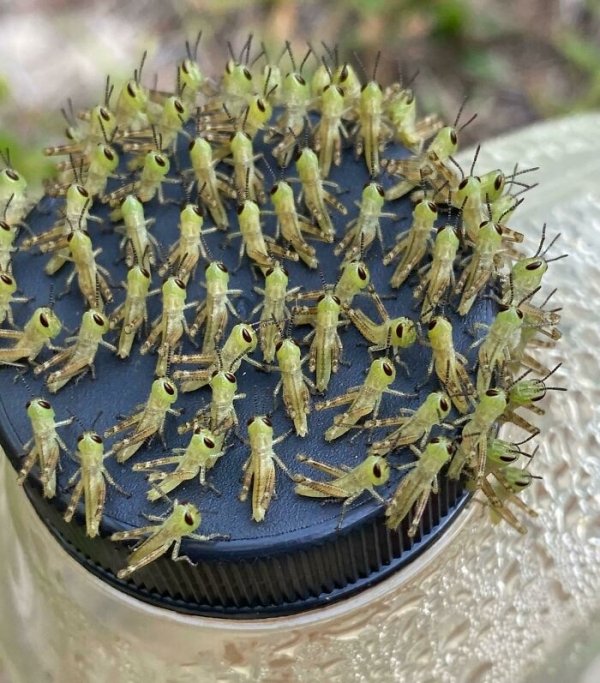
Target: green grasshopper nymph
<point>345,77</point>
<point>132,103</point>
<point>259,468</point>
<point>171,325</point>
<point>173,117</point>
<point>90,276</point>
<point>8,234</point>
<point>361,231</point>
<point>247,179</point>
<point>103,164</point>
<point>190,78</point>
<point>39,331</point>
<point>510,482</point>
<point>242,340</point>
<point>140,245</point>
<point>450,366</point>
<point>400,108</point>
<point>315,195</point>
<point>148,421</point>
<point>14,202</point>
<point>8,287</point>
<point>79,357</point>
<point>354,278</point>
<point>92,476</point>
<point>44,446</point>
<point>201,454</point>
<point>327,139</point>
<point>213,311</point>
<point>181,523</point>
<point>412,244</point>
<point>296,386</point>
<point>345,484</point>
<point>472,449</point>
<point>439,277</point>
<point>132,313</point>
<point>326,347</point>
<point>274,310</point>
<point>418,484</point>
<point>413,427</point>
<point>363,399</point>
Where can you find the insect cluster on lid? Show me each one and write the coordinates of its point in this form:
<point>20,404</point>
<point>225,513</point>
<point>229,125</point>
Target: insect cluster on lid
<point>203,147</point>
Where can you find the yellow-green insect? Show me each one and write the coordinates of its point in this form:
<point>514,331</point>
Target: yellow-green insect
<point>345,484</point>
<point>91,277</point>
<point>181,523</point>
<point>417,486</point>
<point>355,277</point>
<point>414,425</point>
<point>247,179</point>
<point>327,138</point>
<point>131,110</point>
<point>472,449</point>
<point>237,85</point>
<point>364,399</point>
<point>44,446</point>
<point>361,232</point>
<point>510,481</point>
<point>79,357</point>
<point>274,310</point>
<point>8,234</point>
<point>346,78</point>
<point>14,201</point>
<point>150,184</point>
<point>148,421</point>
<point>259,468</point>
<point>140,245</point>
<point>173,117</point>
<point>8,287</point>
<point>401,110</point>
<point>171,325</point>
<point>39,331</point>
<point>242,340</point>
<point>201,454</point>
<point>413,244</point>
<point>132,313</point>
<point>450,366</point>
<point>190,79</point>
<point>103,164</point>
<point>211,183</point>
<point>439,277</point>
<point>92,476</point>
<point>296,395</point>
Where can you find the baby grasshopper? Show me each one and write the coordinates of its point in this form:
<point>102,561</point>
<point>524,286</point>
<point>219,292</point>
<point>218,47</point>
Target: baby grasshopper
<point>79,357</point>
<point>247,179</point>
<point>274,309</point>
<point>397,333</point>
<point>495,350</point>
<point>190,79</point>
<point>14,202</point>
<point>485,262</point>
<point>184,519</point>
<point>418,484</point>
<point>326,348</point>
<point>291,225</point>
<point>173,116</point>
<point>104,161</point>
<point>364,399</point>
<point>355,277</point>
<point>450,366</point>
<point>472,449</point>
<point>361,231</point>
<point>346,78</point>
<point>92,475</point>
<point>315,195</point>
<point>46,444</point>
<point>237,85</point>
<point>259,468</point>
<point>401,110</point>
<point>8,287</point>
<point>296,396</point>
<point>510,482</point>
<point>433,411</point>
<point>171,325</point>
<point>146,422</point>
<point>211,183</point>
<point>139,243</point>
<point>153,175</point>
<point>201,455</point>
<point>8,234</point>
<point>132,313</point>
<point>186,252</point>
<point>132,103</point>
<point>440,274</point>
<point>213,311</point>
<point>90,276</point>
<point>39,331</point>
<point>346,484</point>
<point>327,139</point>
<point>242,340</point>
<point>413,243</point>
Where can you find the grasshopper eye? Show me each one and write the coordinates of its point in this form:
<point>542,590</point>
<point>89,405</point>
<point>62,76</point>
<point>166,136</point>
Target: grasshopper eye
<point>27,405</point>
<point>222,267</point>
<point>247,136</point>
<point>498,228</point>
<point>160,160</point>
<point>337,300</point>
<point>297,154</point>
<point>436,439</point>
<point>261,105</point>
<point>44,404</point>
<point>269,272</point>
<point>339,90</point>
<point>267,421</point>
<point>188,519</point>
<point>249,421</point>
<point>44,320</point>
<point>247,335</point>
<point>376,471</point>
<point>508,458</point>
<point>498,182</point>
<point>380,190</point>
<point>95,438</point>
<point>444,404</point>
<point>145,273</point>
<point>534,266</point>
<point>179,283</point>
<point>5,226</point>
<point>491,392</point>
<point>274,188</point>
<point>191,145</point>
<point>399,330</point>
<point>463,184</point>
<point>278,345</point>
<point>178,107</point>
<point>108,154</point>
<point>503,308</point>
<point>98,319</point>
<point>326,88</point>
<point>13,175</point>
<point>230,377</point>
<point>247,74</point>
<point>344,73</point>
<point>82,191</point>
<point>105,115</point>
<point>388,369</point>
<point>208,442</point>
<point>7,280</point>
<point>321,297</point>
<point>300,79</point>
<point>410,98</point>
<point>184,67</point>
<point>197,211</point>
<point>432,207</point>
<point>169,388</point>
<point>130,89</point>
<point>519,314</point>
<point>362,273</point>
<point>240,209</point>
<point>199,429</point>
<point>285,271</point>
<point>80,438</point>
<point>453,137</point>
<point>432,325</point>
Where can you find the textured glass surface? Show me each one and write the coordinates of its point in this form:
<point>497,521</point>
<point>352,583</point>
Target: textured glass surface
<point>483,606</point>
